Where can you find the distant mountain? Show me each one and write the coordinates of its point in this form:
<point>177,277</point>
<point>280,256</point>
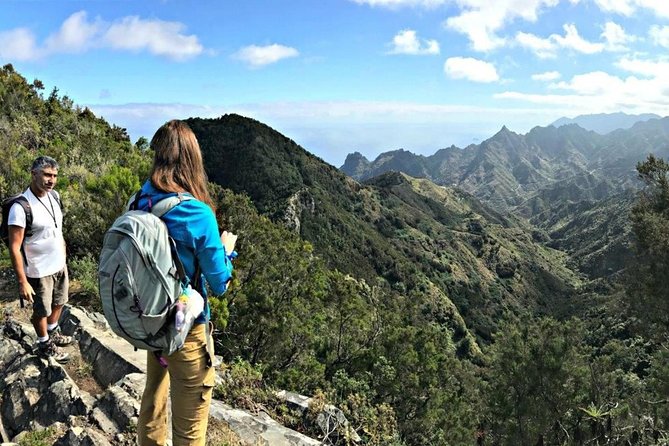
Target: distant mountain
<point>565,171</point>
<point>604,123</point>
<point>526,173</point>
<point>355,162</point>
<point>468,262</point>
<point>504,170</point>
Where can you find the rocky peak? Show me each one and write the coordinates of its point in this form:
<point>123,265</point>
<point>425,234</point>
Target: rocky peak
<point>355,165</point>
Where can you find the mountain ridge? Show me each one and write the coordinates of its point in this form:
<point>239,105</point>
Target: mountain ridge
<point>604,123</point>
<point>394,226</point>
<point>550,170</point>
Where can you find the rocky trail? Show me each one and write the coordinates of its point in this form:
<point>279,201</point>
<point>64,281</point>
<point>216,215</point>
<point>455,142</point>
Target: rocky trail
<point>93,399</point>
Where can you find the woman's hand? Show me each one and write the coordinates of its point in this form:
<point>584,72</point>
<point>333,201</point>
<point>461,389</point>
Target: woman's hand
<point>228,239</point>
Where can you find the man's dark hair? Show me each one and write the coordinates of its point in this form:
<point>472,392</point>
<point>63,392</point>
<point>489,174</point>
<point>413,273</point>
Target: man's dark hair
<point>44,161</point>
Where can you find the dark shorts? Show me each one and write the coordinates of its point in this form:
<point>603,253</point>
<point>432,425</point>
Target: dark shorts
<point>49,291</point>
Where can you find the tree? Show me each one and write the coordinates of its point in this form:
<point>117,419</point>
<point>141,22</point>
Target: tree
<point>537,380</point>
<point>142,143</point>
<point>649,281</point>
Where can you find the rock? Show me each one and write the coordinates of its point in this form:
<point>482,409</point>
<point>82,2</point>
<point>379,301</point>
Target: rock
<point>301,201</point>
<point>112,357</point>
<point>73,319</point>
<point>61,400</point>
<point>102,421</point>
<point>133,383</point>
<point>258,430</point>
<point>119,407</point>
<point>16,409</point>
<point>77,436</point>
<point>9,351</point>
<point>20,391</point>
<point>331,420</point>
<point>21,332</point>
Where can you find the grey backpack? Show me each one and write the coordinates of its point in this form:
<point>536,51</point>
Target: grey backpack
<point>141,279</point>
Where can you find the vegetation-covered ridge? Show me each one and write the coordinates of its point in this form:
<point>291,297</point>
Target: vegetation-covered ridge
<point>426,315</point>
<point>551,176</point>
<point>418,237</point>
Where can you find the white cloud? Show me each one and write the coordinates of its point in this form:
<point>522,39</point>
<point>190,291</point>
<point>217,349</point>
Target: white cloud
<point>548,99</point>
<point>259,56</point>
<point>593,83</point>
<point>645,91</point>
<point>406,42</point>
<point>543,48</point>
<point>78,34</point>
<point>18,44</point>
<point>547,76</point>
<point>156,36</point>
<point>481,20</point>
<point>574,41</point>
<point>395,4</point>
<point>647,68</point>
<point>628,7</point>
<point>481,33</point>
<point>471,69</point>
<point>660,35</point>
<point>546,47</point>
<point>616,38</point>
<point>624,7</point>
<point>659,7</point>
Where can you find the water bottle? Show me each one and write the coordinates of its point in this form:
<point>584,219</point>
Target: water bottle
<point>188,307</point>
<point>180,316</point>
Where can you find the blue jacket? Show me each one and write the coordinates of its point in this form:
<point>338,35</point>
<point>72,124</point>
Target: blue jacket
<point>193,226</point>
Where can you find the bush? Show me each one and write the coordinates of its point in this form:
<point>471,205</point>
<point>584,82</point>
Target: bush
<point>84,276</point>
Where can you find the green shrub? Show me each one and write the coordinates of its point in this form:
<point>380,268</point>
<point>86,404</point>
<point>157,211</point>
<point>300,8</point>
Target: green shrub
<point>84,275</point>
<point>43,437</point>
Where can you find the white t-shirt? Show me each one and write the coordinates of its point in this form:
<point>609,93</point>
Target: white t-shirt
<point>44,252</point>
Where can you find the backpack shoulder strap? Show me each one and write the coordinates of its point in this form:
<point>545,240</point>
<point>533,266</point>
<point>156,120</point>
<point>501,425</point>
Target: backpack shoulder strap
<point>165,205</point>
<point>23,202</point>
<point>133,201</point>
<point>161,207</point>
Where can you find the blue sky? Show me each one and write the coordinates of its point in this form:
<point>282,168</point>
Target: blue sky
<point>339,76</point>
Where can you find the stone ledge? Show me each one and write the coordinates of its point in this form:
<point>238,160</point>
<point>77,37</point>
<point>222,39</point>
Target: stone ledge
<point>258,430</point>
<point>112,357</point>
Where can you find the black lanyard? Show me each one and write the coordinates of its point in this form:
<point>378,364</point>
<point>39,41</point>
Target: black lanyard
<point>52,214</point>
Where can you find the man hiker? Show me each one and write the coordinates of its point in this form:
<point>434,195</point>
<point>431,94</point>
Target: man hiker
<point>37,251</point>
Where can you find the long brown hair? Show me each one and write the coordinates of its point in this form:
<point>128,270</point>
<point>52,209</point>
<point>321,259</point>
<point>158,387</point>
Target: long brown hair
<point>177,162</point>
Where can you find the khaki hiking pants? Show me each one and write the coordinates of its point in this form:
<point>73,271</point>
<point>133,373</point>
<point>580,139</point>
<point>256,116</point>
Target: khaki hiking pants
<point>190,377</point>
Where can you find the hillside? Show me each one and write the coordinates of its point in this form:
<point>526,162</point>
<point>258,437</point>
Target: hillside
<point>413,233</point>
<point>550,173</point>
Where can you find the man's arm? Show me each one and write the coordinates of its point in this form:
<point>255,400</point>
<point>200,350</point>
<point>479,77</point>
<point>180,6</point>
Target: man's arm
<point>16,234</point>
